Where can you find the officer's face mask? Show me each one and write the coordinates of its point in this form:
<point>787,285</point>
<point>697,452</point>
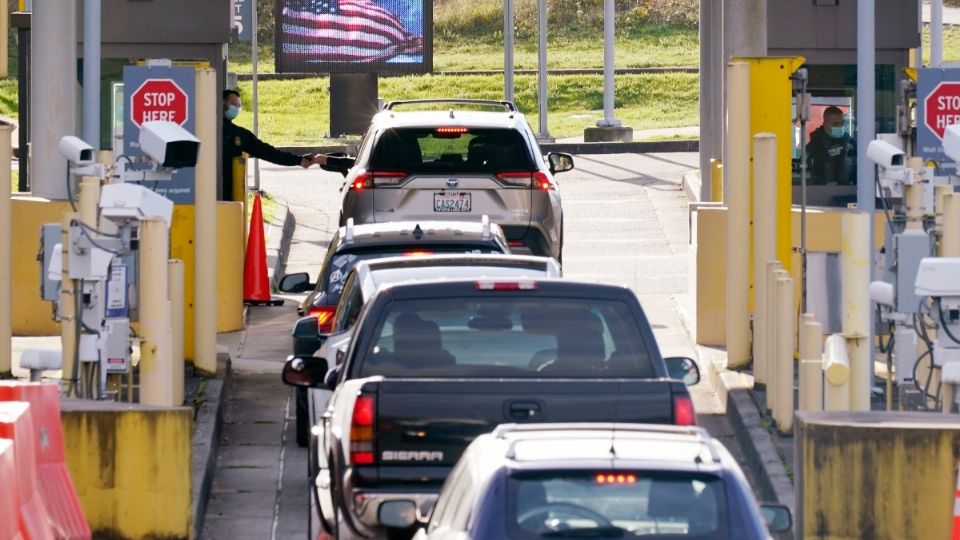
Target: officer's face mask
<point>232,112</point>
<point>837,132</point>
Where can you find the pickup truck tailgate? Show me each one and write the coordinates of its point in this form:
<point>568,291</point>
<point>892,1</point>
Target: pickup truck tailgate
<point>429,422</point>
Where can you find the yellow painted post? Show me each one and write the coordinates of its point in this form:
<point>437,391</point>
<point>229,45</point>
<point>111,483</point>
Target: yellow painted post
<point>6,252</point>
<point>716,180</point>
<point>90,201</point>
<point>836,372</point>
<point>950,239</point>
<point>240,189</point>
<point>773,270</point>
<point>770,79</point>
<point>786,341</point>
<point>764,242</point>
<point>175,290</point>
<point>938,193</point>
<point>205,235</point>
<point>156,377</point>
<point>737,199</point>
<point>811,363</point>
<point>855,279</point>
<point>69,320</point>
<point>4,45</point>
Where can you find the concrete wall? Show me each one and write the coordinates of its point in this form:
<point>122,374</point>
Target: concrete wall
<point>33,317</point>
<point>131,467</point>
<point>877,475</point>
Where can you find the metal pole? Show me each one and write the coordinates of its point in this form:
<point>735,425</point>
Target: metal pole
<point>803,113</point>
<point>764,242</point>
<point>936,33</point>
<point>609,14</point>
<point>6,253</point>
<point>707,10</point>
<point>53,102</point>
<point>156,377</point>
<point>175,290</point>
<point>737,199</point>
<point>811,363</point>
<point>542,67</point>
<point>255,45</point>
<point>508,50</point>
<point>69,313</point>
<point>855,280</point>
<point>205,233</point>
<point>866,170</point>
<point>23,108</point>
<point>91,72</point>
<point>783,385</point>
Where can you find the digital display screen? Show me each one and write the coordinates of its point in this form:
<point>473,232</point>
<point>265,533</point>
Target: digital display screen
<point>354,36</point>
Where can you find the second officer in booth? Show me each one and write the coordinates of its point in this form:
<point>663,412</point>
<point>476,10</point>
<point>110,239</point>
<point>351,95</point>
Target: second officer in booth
<point>831,152</point>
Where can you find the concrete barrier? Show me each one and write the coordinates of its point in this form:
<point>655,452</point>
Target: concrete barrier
<point>876,475</point>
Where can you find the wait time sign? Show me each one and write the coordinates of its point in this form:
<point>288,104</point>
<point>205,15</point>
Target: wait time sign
<point>938,96</point>
<point>160,93</point>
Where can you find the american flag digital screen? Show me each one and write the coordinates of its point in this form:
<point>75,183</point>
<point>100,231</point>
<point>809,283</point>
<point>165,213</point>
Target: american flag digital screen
<point>354,36</point>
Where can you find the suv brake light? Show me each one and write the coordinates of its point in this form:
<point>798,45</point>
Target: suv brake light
<point>372,179</point>
<point>683,412</point>
<point>362,424</point>
<point>506,286</point>
<point>324,315</point>
<point>534,180</point>
<point>541,181</point>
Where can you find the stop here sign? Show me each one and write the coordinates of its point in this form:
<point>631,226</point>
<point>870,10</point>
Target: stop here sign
<point>159,99</point>
<point>942,107</point>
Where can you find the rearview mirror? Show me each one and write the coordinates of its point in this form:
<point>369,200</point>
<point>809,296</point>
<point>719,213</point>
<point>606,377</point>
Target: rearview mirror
<point>397,514</point>
<point>295,283</point>
<point>560,162</point>
<point>683,369</point>
<point>778,517</point>
<point>304,371</point>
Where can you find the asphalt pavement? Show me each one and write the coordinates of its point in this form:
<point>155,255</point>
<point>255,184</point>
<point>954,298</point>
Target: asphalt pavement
<point>626,223</point>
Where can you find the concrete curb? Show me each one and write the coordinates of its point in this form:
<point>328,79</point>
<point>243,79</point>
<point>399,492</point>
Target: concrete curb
<point>206,441</point>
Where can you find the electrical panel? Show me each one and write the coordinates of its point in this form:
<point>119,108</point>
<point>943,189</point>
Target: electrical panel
<point>49,239</point>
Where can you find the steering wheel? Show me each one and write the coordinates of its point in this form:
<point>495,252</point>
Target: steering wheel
<point>563,508</point>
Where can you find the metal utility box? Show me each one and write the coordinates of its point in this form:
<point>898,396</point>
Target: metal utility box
<point>49,238</point>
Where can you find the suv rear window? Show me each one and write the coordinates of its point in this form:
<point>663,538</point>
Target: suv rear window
<point>617,504</point>
<point>435,151</point>
<point>501,336</point>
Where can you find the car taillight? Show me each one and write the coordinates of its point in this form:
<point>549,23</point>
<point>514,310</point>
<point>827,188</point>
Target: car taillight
<point>417,253</point>
<point>615,478</point>
<point>374,179</point>
<point>506,286</point>
<point>324,315</point>
<point>516,179</point>
<point>683,413</point>
<point>451,132</point>
<point>541,181</point>
<point>361,430</point>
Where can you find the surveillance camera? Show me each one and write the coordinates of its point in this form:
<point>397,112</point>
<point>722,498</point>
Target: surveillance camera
<point>951,142</point>
<point>125,202</point>
<point>76,151</point>
<point>885,154</point>
<point>169,144</point>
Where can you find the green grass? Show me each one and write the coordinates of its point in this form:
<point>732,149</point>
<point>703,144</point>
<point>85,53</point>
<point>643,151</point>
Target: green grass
<point>268,206</point>
<point>951,44</point>
<point>297,112</point>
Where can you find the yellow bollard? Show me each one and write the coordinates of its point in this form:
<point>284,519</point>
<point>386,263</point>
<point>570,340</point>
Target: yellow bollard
<point>783,384</point>
<point>938,193</point>
<point>175,290</point>
<point>950,239</point>
<point>855,283</point>
<point>836,371</point>
<point>737,199</point>
<point>156,377</point>
<point>4,47</point>
<point>811,363</point>
<point>773,269</point>
<point>716,180</point>
<point>6,252</point>
<point>240,190</point>
<point>205,235</point>
<point>90,201</point>
<point>764,242</point>
<point>69,321</point>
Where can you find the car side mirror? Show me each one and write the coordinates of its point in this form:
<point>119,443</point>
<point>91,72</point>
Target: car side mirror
<point>331,378</point>
<point>778,517</point>
<point>683,369</point>
<point>398,514</point>
<point>295,283</point>
<point>306,328</point>
<point>560,162</point>
<point>304,371</point>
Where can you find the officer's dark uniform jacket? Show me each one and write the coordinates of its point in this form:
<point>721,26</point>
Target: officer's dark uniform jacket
<point>831,161</point>
<point>237,140</point>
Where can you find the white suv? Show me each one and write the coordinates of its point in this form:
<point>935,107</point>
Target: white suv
<point>450,159</point>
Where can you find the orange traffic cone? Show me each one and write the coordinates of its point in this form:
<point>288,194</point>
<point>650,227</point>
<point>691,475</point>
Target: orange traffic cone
<point>956,511</point>
<point>256,286</point>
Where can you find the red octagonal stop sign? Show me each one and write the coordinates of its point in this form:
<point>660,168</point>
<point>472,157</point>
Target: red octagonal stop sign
<point>942,107</point>
<point>159,99</point>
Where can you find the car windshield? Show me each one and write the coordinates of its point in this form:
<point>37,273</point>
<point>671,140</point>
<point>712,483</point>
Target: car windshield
<point>617,504</point>
<point>499,336</point>
<point>451,150</point>
<point>342,263</point>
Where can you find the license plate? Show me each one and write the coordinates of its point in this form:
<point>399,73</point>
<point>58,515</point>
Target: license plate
<point>451,201</point>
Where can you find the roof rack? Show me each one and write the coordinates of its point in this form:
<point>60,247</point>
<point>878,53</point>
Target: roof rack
<point>508,106</point>
<point>348,237</point>
<point>700,433</point>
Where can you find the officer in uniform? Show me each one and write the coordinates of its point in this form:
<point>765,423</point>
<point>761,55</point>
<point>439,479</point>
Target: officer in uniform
<point>831,151</point>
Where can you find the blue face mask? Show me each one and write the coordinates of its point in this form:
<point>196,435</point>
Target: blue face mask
<point>838,132</point>
<point>232,112</point>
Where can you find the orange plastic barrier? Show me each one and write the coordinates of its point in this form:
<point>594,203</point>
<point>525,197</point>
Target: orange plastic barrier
<point>54,482</point>
<point>9,494</point>
<point>17,424</point>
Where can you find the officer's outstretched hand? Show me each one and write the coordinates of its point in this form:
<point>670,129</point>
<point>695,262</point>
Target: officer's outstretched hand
<point>306,160</point>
